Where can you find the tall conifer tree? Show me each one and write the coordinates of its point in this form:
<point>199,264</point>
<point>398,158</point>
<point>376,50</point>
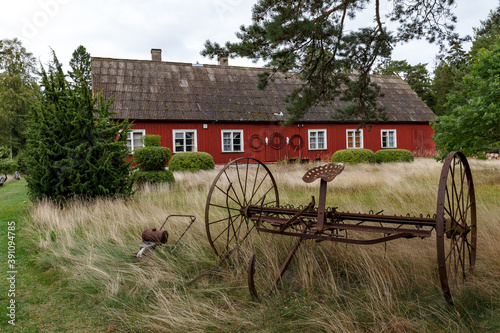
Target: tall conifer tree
<point>74,148</point>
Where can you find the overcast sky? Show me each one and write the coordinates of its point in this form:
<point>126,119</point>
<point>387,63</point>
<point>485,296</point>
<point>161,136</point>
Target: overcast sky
<point>129,29</point>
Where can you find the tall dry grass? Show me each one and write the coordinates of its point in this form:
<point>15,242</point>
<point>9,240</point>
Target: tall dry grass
<point>329,287</point>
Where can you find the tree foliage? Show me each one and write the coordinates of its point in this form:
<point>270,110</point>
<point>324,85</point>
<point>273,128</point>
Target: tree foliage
<point>74,148</point>
<point>474,124</point>
<point>319,41</point>
<point>18,89</point>
<point>487,34</point>
<point>416,76</point>
<point>448,78</point>
<point>449,74</point>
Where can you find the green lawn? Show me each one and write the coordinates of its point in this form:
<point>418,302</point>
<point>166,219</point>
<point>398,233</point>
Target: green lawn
<point>41,304</point>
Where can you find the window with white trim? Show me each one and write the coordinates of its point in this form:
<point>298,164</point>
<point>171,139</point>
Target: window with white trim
<point>232,141</point>
<point>354,139</point>
<point>184,140</point>
<point>317,139</point>
<point>134,139</point>
<point>388,138</point>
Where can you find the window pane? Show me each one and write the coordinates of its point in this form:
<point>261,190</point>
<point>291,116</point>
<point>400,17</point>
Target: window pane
<point>237,147</point>
<point>226,135</point>
<point>179,135</point>
<point>227,147</point>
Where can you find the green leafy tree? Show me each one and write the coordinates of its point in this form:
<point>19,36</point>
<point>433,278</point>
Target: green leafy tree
<point>18,90</point>
<point>474,125</point>
<point>74,148</point>
<point>416,76</point>
<point>334,58</point>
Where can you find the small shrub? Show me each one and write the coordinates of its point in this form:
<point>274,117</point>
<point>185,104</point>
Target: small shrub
<point>8,166</point>
<point>393,155</point>
<point>482,157</point>
<point>151,140</point>
<point>191,161</point>
<point>354,156</point>
<point>4,152</point>
<point>152,158</point>
<point>21,160</point>
<point>159,176</point>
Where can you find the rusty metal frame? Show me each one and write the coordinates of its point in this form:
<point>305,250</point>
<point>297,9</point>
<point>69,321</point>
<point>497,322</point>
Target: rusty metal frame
<point>454,221</point>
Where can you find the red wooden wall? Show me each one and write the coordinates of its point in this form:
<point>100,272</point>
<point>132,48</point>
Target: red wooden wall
<point>414,137</point>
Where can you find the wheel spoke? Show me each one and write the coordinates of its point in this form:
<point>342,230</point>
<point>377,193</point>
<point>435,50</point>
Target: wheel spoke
<point>218,221</point>
<point>224,207</point>
<point>228,196</point>
<point>230,182</point>
<point>260,184</point>
<point>241,186</point>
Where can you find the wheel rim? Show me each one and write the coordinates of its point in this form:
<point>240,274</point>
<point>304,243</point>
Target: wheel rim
<point>240,184</point>
<point>456,232</point>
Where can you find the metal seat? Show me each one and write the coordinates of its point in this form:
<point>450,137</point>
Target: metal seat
<point>325,172</point>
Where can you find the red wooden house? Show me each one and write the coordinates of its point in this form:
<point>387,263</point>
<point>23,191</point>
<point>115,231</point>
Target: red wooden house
<point>218,109</point>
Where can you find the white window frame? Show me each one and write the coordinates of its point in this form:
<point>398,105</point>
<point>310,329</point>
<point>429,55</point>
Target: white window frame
<point>232,132</point>
<point>130,139</point>
<point>387,140</point>
<point>183,132</point>
<point>352,133</point>
<point>313,144</point>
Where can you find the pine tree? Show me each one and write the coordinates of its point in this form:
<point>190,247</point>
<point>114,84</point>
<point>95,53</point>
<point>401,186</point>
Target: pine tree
<point>333,56</point>
<point>74,148</point>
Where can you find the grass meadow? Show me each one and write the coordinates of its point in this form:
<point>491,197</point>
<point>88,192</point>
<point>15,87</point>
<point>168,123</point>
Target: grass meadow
<point>86,250</point>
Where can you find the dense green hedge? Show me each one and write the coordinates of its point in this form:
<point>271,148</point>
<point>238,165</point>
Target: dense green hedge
<point>159,176</point>
<point>393,155</point>
<point>152,158</point>
<point>151,140</point>
<point>354,156</point>
<point>191,161</point>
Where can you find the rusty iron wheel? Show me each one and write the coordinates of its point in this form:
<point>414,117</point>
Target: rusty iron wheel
<point>241,183</point>
<point>456,232</point>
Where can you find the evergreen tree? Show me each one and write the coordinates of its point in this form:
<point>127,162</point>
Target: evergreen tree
<point>487,34</point>
<point>18,90</point>
<point>318,40</point>
<point>80,65</point>
<point>416,76</point>
<point>448,78</point>
<point>74,148</point>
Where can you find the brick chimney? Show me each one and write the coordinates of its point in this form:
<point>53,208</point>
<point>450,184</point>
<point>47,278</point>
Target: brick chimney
<point>156,54</point>
<point>223,61</point>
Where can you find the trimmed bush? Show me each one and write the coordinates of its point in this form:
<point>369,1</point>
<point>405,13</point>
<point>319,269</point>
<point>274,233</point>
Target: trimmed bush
<point>151,140</point>
<point>393,155</point>
<point>159,176</point>
<point>354,156</point>
<point>152,158</point>
<point>191,161</point>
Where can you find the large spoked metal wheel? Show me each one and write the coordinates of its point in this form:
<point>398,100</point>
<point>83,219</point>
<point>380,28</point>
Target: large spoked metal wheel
<point>456,231</point>
<point>240,184</point>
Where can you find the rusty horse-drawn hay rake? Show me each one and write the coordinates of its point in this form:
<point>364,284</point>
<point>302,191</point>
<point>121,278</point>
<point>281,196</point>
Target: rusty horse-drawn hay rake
<point>244,198</point>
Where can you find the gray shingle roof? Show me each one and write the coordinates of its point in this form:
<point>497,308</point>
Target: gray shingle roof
<point>178,91</point>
